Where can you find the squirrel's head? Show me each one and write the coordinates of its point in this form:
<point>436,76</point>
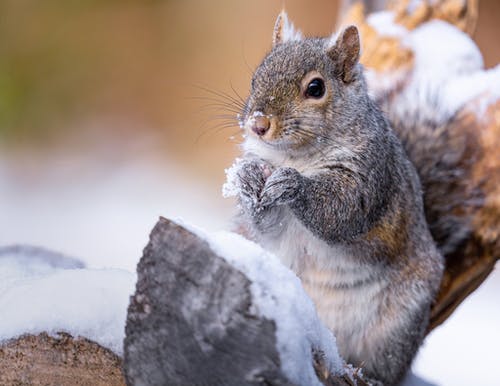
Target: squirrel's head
<point>305,90</point>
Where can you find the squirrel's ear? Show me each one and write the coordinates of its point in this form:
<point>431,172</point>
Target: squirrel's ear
<point>284,30</point>
<point>344,50</point>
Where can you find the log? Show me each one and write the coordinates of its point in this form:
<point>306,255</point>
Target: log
<point>192,321</point>
<point>61,360</point>
<point>64,354</point>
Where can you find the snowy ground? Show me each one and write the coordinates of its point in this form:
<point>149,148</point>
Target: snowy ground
<point>103,216</point>
<point>464,351</point>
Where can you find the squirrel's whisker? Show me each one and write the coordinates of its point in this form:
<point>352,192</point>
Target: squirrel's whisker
<point>224,96</point>
<point>237,94</point>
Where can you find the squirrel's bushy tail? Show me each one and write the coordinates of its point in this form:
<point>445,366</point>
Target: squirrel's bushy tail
<point>444,154</point>
<point>456,156</point>
<point>428,75</point>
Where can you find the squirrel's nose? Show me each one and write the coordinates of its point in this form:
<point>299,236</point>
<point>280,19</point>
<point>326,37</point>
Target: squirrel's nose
<point>261,125</point>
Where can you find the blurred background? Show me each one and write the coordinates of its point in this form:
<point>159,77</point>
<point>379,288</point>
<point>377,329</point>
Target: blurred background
<point>107,119</point>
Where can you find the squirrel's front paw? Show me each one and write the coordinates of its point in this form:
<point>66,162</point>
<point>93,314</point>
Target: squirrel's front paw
<point>282,187</point>
<point>251,178</point>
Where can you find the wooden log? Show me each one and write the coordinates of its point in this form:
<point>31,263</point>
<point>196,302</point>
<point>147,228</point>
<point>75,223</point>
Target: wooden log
<point>62,360</point>
<point>190,321</point>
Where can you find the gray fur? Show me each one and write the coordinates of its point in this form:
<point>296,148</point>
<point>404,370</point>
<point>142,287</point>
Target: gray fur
<point>442,153</point>
<point>342,201</point>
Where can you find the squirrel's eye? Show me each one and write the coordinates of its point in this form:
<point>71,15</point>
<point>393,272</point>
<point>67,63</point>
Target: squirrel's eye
<point>315,88</point>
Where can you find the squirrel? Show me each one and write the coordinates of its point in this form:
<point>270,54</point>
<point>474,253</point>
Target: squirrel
<point>325,184</point>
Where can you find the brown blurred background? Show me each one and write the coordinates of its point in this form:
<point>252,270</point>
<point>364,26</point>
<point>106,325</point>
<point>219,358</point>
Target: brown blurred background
<point>73,73</point>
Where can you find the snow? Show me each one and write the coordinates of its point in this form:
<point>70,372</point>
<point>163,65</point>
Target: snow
<point>482,85</point>
<point>443,55</point>
<point>230,187</point>
<point>414,4</point>
<point>44,294</point>
<point>444,48</point>
<point>384,24</point>
<point>278,295</point>
<point>464,350</point>
<point>448,70</point>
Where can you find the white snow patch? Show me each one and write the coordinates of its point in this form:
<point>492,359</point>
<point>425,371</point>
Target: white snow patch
<point>384,24</point>
<point>278,295</point>
<point>443,51</point>
<point>448,71</point>
<point>481,84</point>
<point>230,187</point>
<point>414,4</point>
<point>37,297</point>
<point>464,350</point>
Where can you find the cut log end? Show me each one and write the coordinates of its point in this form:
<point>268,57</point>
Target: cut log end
<point>62,360</point>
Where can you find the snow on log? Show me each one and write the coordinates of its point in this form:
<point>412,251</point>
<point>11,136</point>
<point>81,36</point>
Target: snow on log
<point>217,309</point>
<point>42,291</point>
<point>61,324</point>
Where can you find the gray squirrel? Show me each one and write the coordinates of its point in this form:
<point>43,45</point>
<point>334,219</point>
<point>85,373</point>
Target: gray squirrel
<point>325,184</point>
